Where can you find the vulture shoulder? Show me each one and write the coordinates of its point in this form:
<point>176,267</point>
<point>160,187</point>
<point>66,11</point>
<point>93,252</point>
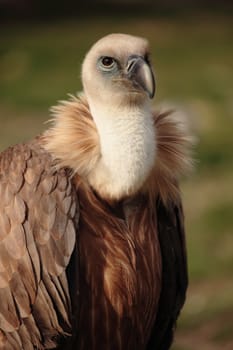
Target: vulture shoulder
<point>38,219</point>
<point>174,274</point>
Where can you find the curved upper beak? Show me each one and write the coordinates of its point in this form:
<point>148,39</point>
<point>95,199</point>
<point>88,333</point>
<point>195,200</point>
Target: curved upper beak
<point>141,74</point>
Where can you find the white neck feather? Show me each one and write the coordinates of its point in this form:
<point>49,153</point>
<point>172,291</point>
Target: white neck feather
<point>127,139</point>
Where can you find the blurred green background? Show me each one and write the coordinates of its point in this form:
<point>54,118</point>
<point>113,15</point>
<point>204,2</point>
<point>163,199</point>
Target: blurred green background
<point>192,51</point>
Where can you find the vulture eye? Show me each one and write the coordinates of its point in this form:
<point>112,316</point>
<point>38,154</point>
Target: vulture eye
<point>107,62</point>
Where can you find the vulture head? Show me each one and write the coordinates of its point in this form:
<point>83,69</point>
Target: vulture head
<point>118,66</point>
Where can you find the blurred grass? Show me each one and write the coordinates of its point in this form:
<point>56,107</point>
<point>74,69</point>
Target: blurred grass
<point>193,58</point>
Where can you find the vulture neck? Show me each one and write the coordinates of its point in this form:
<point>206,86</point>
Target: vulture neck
<point>127,144</point>
<point>121,150</point>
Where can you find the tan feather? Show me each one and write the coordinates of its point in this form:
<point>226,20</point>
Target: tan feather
<point>9,320</point>
<point>174,155</point>
<point>73,139</point>
<point>3,340</point>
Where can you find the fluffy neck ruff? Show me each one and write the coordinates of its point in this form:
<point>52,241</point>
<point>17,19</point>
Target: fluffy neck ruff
<point>85,145</point>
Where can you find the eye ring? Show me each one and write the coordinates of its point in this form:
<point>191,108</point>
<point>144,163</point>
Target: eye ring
<point>107,62</point>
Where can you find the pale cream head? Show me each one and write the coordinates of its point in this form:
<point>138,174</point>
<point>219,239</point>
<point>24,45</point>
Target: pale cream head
<point>129,78</point>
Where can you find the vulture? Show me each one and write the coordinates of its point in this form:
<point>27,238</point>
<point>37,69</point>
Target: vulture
<point>92,245</point>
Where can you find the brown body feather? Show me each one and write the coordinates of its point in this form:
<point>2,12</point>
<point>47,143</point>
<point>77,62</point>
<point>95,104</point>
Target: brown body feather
<point>76,267</point>
<point>37,237</point>
<point>121,265</point>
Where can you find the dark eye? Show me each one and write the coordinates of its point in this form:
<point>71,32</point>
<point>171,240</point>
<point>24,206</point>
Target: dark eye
<point>107,61</point>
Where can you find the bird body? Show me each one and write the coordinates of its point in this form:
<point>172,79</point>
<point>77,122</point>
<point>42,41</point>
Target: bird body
<point>92,247</point>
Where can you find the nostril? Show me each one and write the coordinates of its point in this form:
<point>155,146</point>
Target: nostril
<point>131,64</point>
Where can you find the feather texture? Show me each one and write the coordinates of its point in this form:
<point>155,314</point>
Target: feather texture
<point>37,237</point>
<point>120,266</point>
<point>73,141</point>
<point>77,269</point>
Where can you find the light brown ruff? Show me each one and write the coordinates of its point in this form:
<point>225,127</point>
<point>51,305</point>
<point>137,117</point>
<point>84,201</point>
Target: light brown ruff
<point>73,141</point>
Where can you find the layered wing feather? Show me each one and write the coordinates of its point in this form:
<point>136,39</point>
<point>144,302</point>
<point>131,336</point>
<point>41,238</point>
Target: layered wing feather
<point>38,220</point>
<point>174,274</point>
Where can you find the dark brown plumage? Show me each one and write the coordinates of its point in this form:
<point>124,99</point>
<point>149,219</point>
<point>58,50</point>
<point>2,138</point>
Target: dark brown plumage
<point>80,270</point>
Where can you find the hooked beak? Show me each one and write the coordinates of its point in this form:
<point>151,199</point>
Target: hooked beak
<point>141,74</point>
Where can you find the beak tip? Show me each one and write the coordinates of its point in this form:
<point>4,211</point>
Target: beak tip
<point>152,93</point>
<point>143,74</point>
